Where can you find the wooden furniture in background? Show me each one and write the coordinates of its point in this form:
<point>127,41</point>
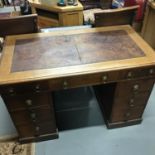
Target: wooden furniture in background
<point>120,16</point>
<point>1,3</point>
<point>53,15</point>
<point>148,29</point>
<point>91,4</point>
<point>114,59</point>
<point>18,25</point>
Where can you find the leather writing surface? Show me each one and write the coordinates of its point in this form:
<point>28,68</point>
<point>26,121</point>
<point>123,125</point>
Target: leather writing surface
<point>76,49</point>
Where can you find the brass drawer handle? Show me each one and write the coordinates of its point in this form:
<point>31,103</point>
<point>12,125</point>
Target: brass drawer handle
<point>65,84</point>
<point>33,115</point>
<point>104,78</point>
<point>132,100</point>
<point>37,129</point>
<point>135,87</point>
<point>128,114</point>
<point>131,103</point>
<point>37,88</point>
<point>11,91</point>
<point>130,75</point>
<point>28,102</point>
<point>151,71</point>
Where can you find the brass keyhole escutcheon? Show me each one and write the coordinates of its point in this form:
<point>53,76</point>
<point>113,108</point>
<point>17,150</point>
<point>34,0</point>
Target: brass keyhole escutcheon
<point>151,71</point>
<point>129,75</point>
<point>28,102</point>
<point>104,78</point>
<point>65,84</point>
<point>135,87</point>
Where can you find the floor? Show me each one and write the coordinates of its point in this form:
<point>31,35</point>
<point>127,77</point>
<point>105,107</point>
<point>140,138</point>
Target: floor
<point>8,9</point>
<point>82,129</point>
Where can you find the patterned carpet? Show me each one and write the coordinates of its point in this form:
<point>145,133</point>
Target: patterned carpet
<point>14,148</point>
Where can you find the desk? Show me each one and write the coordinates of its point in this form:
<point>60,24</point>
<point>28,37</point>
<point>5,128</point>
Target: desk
<point>115,60</point>
<point>51,15</point>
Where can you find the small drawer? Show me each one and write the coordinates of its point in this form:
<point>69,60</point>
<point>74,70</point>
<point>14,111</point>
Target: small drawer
<point>137,73</point>
<point>38,132</point>
<point>129,74</point>
<point>83,80</point>
<point>134,113</point>
<point>133,87</point>
<point>34,87</point>
<point>27,101</point>
<point>122,114</point>
<point>147,71</point>
<point>132,100</point>
<point>36,115</point>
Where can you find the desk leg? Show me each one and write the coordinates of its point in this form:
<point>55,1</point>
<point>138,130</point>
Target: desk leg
<point>123,103</point>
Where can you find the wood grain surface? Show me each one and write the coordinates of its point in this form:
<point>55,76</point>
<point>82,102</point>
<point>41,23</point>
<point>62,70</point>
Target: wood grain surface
<point>69,53</point>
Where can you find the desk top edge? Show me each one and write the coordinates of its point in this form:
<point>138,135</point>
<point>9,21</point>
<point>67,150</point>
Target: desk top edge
<point>7,78</point>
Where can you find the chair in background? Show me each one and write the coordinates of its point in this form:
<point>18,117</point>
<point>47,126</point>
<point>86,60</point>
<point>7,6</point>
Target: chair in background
<point>120,16</point>
<point>18,25</point>
<point>93,4</point>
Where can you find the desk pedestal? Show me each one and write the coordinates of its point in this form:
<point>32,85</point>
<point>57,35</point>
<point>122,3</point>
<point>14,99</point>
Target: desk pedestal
<point>123,103</point>
<point>33,115</point>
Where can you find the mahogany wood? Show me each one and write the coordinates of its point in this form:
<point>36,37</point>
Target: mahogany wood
<point>119,60</point>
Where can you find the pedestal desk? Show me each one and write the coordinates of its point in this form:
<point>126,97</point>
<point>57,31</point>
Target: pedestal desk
<point>114,60</point>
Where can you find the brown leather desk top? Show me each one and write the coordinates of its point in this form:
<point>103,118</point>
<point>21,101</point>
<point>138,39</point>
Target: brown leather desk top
<point>67,53</point>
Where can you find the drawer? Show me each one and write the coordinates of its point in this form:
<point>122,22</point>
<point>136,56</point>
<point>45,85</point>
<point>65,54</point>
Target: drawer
<point>122,114</point>
<point>14,89</point>
<point>147,71</point>
<point>39,132</point>
<point>37,115</point>
<point>102,78</point>
<point>27,101</point>
<point>137,73</point>
<point>133,87</point>
<point>132,100</point>
<point>83,80</point>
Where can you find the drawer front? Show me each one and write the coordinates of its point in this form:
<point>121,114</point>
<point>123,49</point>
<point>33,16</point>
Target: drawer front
<point>105,77</point>
<point>122,114</point>
<point>37,115</point>
<point>133,87</point>
<point>15,89</point>
<point>38,132</point>
<point>137,73</point>
<point>132,100</point>
<point>84,80</point>
<point>77,81</point>
<point>27,101</point>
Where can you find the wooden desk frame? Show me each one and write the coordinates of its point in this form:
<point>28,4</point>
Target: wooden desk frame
<point>110,78</point>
